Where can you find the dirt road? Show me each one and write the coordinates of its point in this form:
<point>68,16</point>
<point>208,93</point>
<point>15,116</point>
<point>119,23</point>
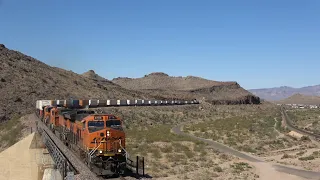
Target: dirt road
<point>266,170</point>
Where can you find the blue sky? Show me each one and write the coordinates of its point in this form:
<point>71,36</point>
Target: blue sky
<point>263,43</point>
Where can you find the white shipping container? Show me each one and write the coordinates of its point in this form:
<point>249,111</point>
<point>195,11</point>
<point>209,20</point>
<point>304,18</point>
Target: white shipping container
<point>41,103</point>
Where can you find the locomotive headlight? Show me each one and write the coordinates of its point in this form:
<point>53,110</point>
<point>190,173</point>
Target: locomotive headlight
<point>108,133</point>
<point>100,152</point>
<point>119,150</point>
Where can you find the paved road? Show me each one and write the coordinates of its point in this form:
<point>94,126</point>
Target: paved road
<point>218,146</point>
<point>291,127</point>
<point>222,148</point>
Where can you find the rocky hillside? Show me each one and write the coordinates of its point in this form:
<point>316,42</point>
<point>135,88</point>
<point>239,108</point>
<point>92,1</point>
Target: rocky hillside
<point>190,87</point>
<point>24,79</point>
<point>92,75</point>
<point>300,99</point>
<point>159,80</point>
<point>283,92</point>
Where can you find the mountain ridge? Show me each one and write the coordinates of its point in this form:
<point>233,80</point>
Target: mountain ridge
<point>24,79</point>
<point>214,92</point>
<point>300,99</point>
<point>283,92</point>
<point>151,81</point>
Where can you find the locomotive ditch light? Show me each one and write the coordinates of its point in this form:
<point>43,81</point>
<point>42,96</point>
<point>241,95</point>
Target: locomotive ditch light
<point>100,152</point>
<point>119,150</point>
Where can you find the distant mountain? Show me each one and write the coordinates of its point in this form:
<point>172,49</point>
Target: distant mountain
<point>300,99</point>
<point>278,93</point>
<point>215,92</point>
<point>160,80</point>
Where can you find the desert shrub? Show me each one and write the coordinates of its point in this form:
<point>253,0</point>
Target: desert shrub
<point>307,158</point>
<point>240,167</point>
<point>305,138</point>
<point>217,169</point>
<point>300,153</point>
<point>166,149</point>
<point>285,156</point>
<point>174,157</point>
<point>316,154</point>
<point>11,131</point>
<point>155,152</point>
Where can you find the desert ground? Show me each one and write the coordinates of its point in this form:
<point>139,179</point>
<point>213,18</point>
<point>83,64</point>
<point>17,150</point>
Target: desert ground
<point>255,130</point>
<point>307,119</point>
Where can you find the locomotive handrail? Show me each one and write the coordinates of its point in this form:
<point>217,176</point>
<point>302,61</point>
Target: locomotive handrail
<point>123,149</point>
<point>95,145</point>
<point>94,150</point>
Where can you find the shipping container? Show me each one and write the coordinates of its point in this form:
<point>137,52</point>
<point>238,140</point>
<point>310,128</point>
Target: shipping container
<point>138,102</point>
<point>60,102</point>
<point>93,103</point>
<point>84,103</point>
<point>102,103</point>
<point>121,102</point>
<point>42,103</point>
<point>54,102</point>
<point>113,102</point>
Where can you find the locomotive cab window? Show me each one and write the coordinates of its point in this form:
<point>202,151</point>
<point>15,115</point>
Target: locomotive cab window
<point>116,124</point>
<point>95,126</point>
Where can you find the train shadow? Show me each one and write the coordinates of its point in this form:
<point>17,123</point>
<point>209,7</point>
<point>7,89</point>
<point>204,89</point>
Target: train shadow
<point>128,173</point>
<point>135,175</point>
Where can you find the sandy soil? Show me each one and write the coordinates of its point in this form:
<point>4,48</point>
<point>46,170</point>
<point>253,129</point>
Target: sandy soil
<point>259,171</point>
<point>267,172</point>
<point>19,162</point>
<point>293,159</point>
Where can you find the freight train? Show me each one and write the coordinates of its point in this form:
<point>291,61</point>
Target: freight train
<point>97,138</point>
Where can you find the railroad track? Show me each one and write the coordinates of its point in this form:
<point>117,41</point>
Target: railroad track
<point>299,130</point>
<point>66,161</point>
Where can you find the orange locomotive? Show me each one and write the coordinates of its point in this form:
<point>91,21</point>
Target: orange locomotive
<point>98,139</point>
